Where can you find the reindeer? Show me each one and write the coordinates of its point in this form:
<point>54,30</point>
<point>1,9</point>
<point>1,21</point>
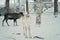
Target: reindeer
<point>26,26</point>
<point>12,16</point>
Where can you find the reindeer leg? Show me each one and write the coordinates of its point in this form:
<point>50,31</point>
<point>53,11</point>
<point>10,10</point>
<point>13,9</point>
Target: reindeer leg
<point>25,31</point>
<point>3,22</point>
<point>7,22</point>
<point>16,23</point>
<point>29,32</point>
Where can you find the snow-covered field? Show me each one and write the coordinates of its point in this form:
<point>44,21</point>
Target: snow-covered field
<point>48,29</point>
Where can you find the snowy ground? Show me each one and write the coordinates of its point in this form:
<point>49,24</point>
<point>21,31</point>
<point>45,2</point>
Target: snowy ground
<point>49,28</point>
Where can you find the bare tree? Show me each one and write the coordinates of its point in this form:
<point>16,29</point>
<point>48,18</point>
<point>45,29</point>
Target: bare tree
<point>38,10</point>
<point>18,7</point>
<point>19,3</point>
<point>7,5</point>
<point>27,9</point>
<point>55,7</point>
<point>34,5</point>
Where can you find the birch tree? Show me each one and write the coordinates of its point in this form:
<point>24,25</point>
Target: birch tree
<point>38,11</point>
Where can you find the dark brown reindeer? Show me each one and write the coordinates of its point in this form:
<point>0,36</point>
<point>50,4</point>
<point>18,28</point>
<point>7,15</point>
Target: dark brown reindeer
<point>12,16</point>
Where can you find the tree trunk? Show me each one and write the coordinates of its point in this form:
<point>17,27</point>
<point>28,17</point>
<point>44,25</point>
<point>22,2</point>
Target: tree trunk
<point>18,7</point>
<point>27,9</point>
<point>7,6</point>
<point>19,3</point>
<point>55,7</point>
<point>34,5</point>
<point>38,11</point>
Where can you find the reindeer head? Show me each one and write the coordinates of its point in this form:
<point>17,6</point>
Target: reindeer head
<point>21,13</point>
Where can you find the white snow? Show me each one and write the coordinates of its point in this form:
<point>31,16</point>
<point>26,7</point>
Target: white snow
<point>49,28</point>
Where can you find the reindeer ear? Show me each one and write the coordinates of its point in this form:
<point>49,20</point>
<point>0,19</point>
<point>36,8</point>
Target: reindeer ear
<point>21,12</point>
